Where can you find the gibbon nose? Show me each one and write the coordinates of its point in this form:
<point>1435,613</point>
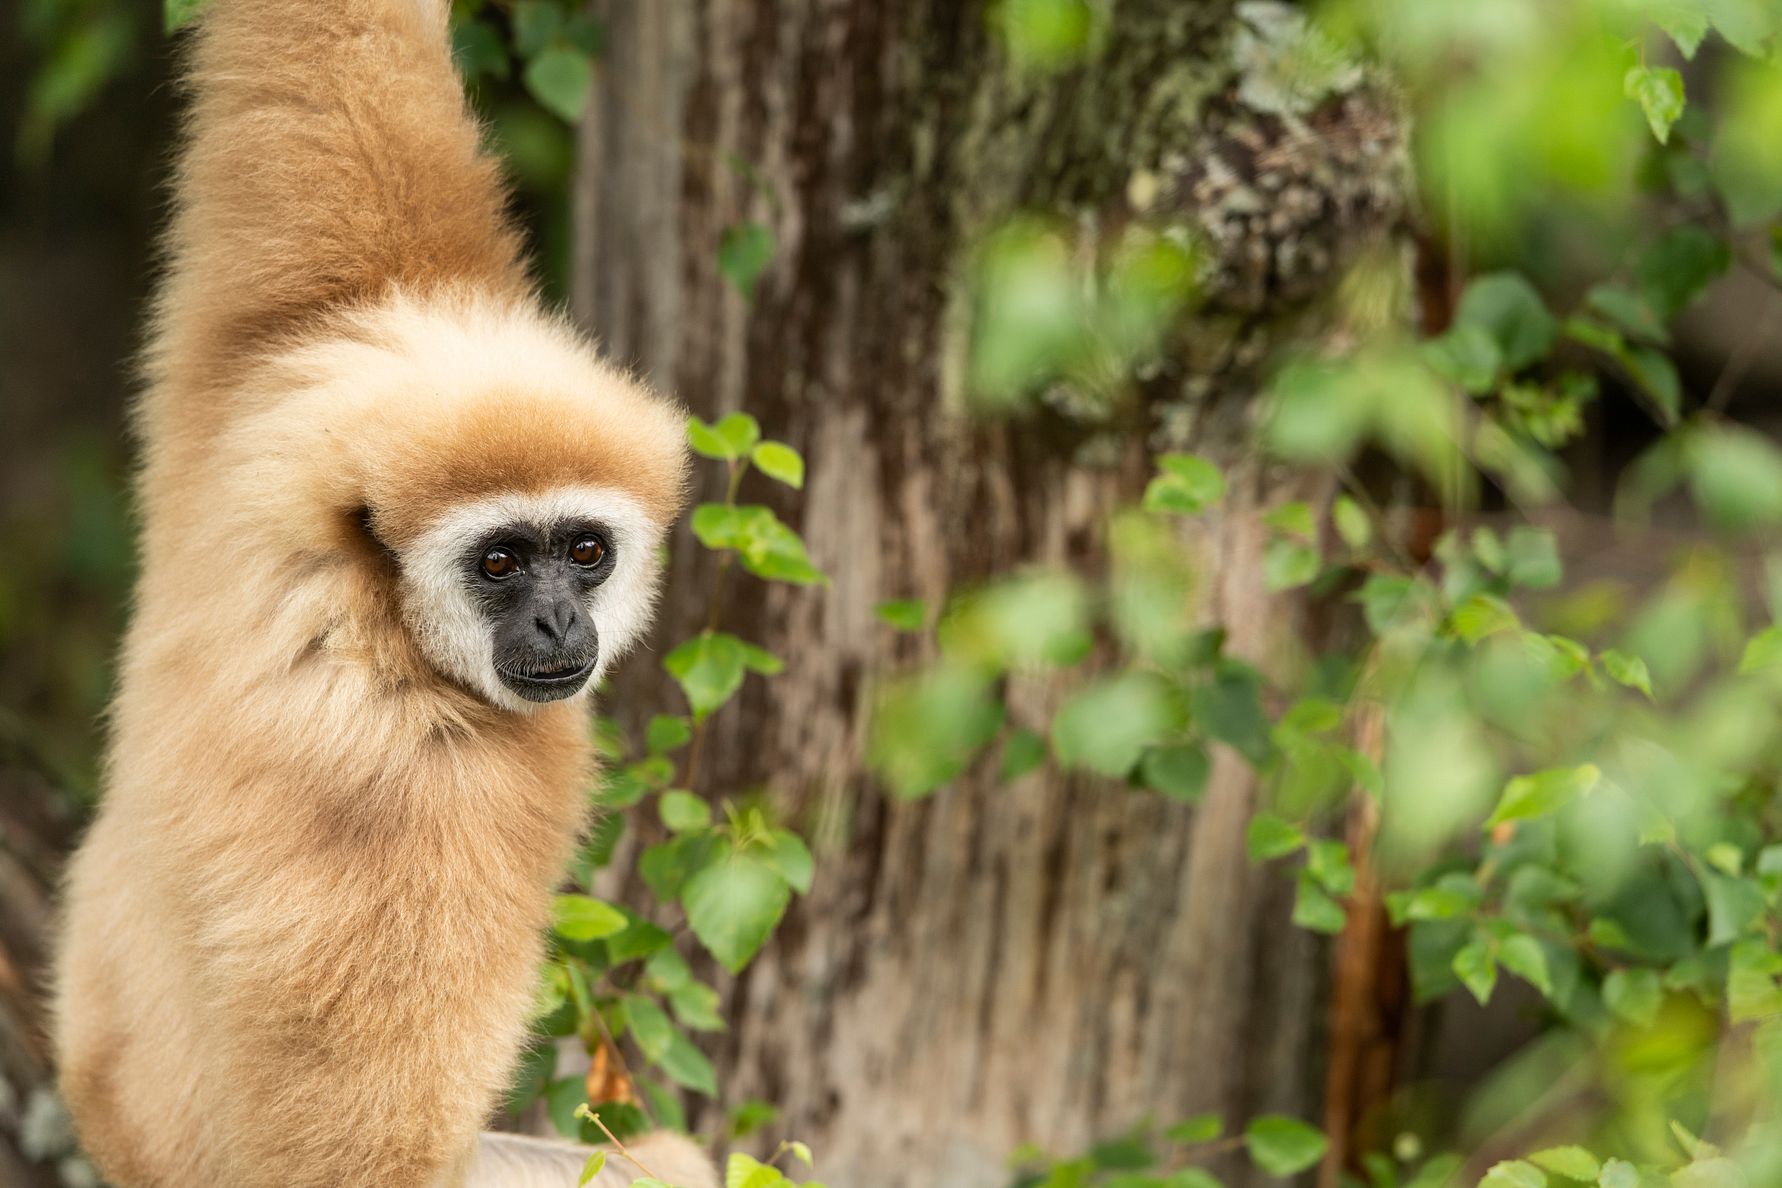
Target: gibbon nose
<point>556,622</point>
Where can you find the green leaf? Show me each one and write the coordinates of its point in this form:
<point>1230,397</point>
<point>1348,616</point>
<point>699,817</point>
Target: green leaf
<point>1659,92</point>
<point>663,1044</point>
<point>743,1171</point>
<point>1022,752</point>
<point>759,659</point>
<point>1451,899</point>
<point>1736,475</point>
<point>1523,956</point>
<point>1657,376</point>
<point>1684,25</point>
<point>1618,1173</point>
<point>1186,485</point>
<point>1466,354</point>
<point>904,614</point>
<point>1763,651</point>
<point>1572,1162</point>
<point>744,251</point>
<point>667,732</point>
<point>1292,519</point>
<point>1201,1128</point>
<point>1481,617</point>
<point>1045,35</point>
<point>177,14</point>
<point>1629,310</point>
<point>1514,1174</point>
<point>1680,266</point>
<point>559,79</point>
<point>696,1005</point>
<point>927,728</point>
<point>1532,558</point>
<point>592,1167</point>
<point>1634,995</point>
<point>1315,910</point>
<point>740,432</point>
<point>1734,906</point>
<point>1272,837</point>
<point>733,904</point>
<point>707,442</point>
<point>1751,990</point>
<point>1229,709</point>
<point>668,969</point>
<point>772,550</point>
<point>778,460</point>
<point>1107,726</point>
<point>1179,771</point>
<point>688,1067</point>
<point>1287,564</point>
<point>1543,792</point>
<point>1476,967</point>
<point>1283,1146</point>
<point>683,812</point>
<point>476,46</point>
<point>1629,671</point>
<point>709,670</point>
<point>667,867</point>
<point>1352,523</point>
<point>1509,309</point>
<point>787,853</point>
<point>562,1098</point>
<point>721,525</point>
<point>750,1116</point>
<point>581,918</point>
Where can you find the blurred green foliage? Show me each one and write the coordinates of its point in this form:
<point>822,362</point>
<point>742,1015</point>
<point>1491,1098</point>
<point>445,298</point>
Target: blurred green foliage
<point>1577,785</point>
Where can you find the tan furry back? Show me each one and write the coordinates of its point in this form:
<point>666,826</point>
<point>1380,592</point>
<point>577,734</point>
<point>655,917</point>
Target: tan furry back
<point>302,936</point>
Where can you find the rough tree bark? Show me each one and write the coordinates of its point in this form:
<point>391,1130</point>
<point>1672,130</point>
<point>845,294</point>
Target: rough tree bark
<point>1055,959</point>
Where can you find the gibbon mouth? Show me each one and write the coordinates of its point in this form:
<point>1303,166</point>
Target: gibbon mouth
<point>547,684</point>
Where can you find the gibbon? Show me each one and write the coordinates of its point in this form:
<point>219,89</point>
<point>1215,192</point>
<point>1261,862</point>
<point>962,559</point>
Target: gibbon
<point>396,520</point>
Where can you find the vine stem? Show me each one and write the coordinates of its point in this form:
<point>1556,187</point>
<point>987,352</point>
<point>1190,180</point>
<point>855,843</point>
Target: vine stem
<point>714,608</point>
<point>621,1148</point>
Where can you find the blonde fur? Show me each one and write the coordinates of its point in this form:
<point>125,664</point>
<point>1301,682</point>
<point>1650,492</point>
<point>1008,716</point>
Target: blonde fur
<point>302,934</point>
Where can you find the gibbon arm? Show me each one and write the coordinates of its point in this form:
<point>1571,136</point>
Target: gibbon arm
<point>329,157</point>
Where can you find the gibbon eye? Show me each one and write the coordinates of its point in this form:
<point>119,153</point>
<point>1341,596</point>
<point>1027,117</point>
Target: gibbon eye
<point>587,551</point>
<point>500,563</point>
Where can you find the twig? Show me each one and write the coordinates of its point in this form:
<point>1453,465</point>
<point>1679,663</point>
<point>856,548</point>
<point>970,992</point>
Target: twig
<point>620,1147</point>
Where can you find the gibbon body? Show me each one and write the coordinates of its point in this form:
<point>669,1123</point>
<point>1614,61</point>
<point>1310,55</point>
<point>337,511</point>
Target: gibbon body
<point>348,757</point>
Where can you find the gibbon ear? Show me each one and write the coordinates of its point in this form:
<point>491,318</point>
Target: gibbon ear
<point>362,530</point>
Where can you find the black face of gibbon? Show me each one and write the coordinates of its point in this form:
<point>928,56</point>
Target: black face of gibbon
<point>532,588</point>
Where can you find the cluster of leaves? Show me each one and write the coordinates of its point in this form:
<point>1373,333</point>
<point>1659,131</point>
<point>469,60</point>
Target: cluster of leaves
<point>740,1171</point>
<point>615,978</point>
<point>1276,1146</point>
<point>1574,788</point>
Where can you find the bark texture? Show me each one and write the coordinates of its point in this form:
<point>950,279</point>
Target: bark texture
<point>1057,959</point>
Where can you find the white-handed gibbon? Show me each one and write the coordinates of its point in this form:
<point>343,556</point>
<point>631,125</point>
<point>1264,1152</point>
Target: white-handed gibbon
<point>396,520</point>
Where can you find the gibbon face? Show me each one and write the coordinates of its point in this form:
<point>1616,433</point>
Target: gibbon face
<point>526,599</point>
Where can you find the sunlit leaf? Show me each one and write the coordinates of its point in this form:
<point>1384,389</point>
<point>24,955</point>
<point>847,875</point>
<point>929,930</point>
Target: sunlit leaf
<point>779,461</point>
<point>1283,1146</point>
<point>1543,792</point>
<point>580,918</point>
<point>733,904</point>
<point>1107,726</point>
<point>1659,92</point>
<point>1185,484</point>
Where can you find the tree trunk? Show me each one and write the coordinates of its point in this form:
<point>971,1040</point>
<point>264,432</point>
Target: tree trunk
<point>1057,959</point>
